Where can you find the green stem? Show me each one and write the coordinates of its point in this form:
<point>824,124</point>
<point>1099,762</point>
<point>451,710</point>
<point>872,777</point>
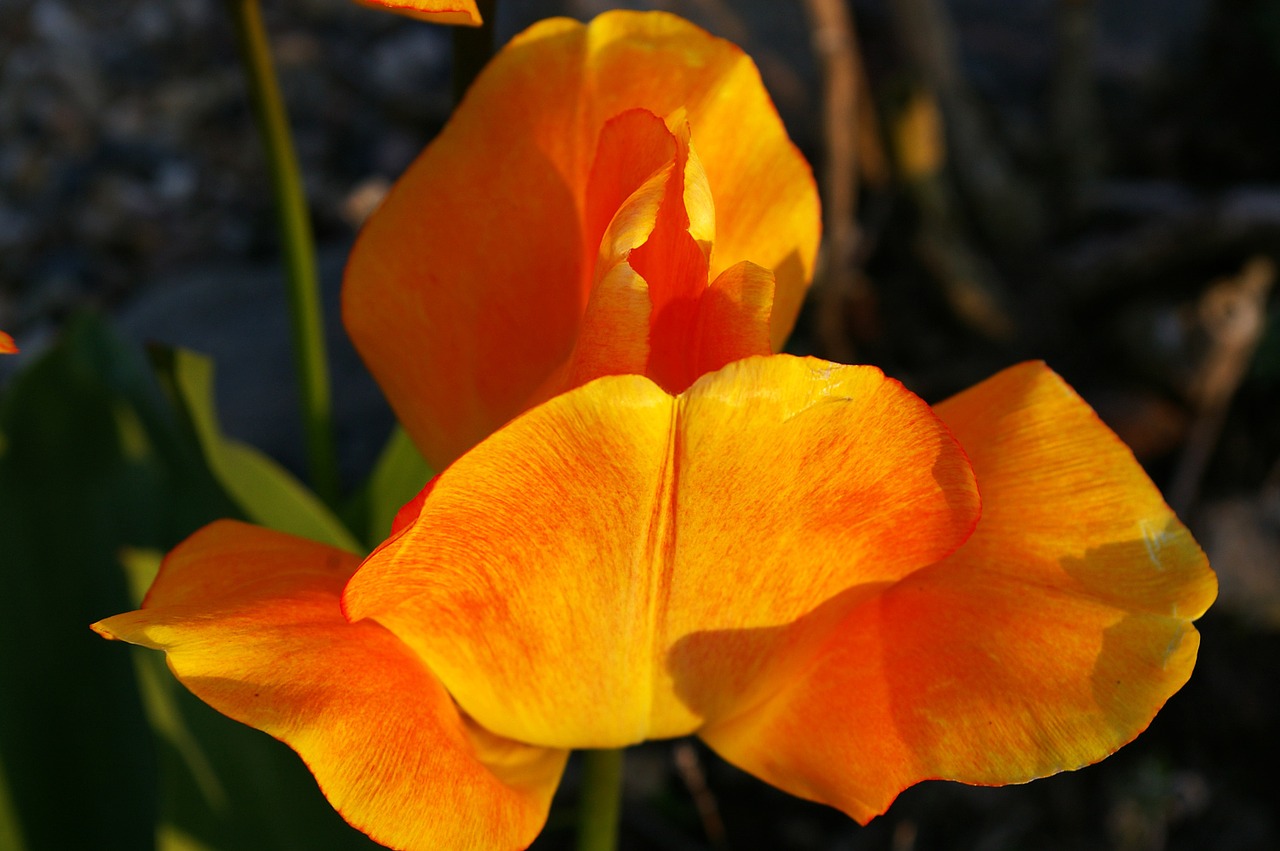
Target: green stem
<point>472,47</point>
<point>601,802</point>
<point>305,312</point>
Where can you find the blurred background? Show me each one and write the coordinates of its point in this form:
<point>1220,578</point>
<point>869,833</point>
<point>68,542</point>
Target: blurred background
<point>1095,183</point>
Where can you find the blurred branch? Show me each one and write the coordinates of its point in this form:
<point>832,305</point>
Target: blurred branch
<point>968,281</point>
<point>1176,229</point>
<point>695,780</point>
<point>842,287</point>
<point>1078,140</point>
<point>1006,208</point>
<point>1233,314</point>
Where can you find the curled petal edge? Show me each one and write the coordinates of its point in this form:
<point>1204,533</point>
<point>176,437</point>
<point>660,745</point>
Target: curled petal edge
<point>251,623</point>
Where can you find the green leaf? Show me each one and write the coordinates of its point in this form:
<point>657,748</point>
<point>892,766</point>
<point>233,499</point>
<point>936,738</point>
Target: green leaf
<point>92,459</point>
<point>99,745</point>
<point>10,830</point>
<point>398,475</point>
<point>266,491</point>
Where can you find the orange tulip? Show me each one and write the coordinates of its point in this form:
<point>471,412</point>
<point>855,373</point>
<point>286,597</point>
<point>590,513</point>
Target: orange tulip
<point>462,12</point>
<point>7,346</point>
<point>787,559</point>
<point>838,588</point>
<point>597,204</point>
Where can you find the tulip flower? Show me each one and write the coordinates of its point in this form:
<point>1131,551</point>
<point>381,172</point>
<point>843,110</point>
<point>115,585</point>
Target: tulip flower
<point>462,12</point>
<point>838,588</point>
<point>7,346</point>
<point>601,191</point>
<point>649,526</point>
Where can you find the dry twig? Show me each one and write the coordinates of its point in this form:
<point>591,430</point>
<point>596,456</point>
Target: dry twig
<point>845,111</point>
<point>695,780</point>
<point>1233,314</point>
<point>1006,207</point>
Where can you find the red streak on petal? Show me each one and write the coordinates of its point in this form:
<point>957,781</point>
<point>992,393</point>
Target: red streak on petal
<point>410,510</point>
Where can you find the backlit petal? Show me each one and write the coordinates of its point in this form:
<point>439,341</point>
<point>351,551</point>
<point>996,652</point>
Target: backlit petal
<point>729,321</point>
<point>462,12</point>
<point>615,331</point>
<point>765,199</point>
<point>251,623</point>
<point>651,310</point>
<point>466,291</point>
<point>1047,641</point>
<point>565,577</point>
<point>633,147</point>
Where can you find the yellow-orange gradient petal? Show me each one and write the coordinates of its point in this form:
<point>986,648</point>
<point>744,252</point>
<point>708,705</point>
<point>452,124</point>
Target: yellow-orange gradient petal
<point>651,309</point>
<point>1050,639</point>
<point>466,290</point>
<point>7,345</point>
<point>566,577</point>
<point>251,623</point>
<point>462,12</point>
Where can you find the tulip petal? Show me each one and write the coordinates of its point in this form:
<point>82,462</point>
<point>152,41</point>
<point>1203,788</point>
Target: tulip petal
<point>462,12</point>
<point>1046,642</point>
<point>552,570</point>
<point>765,198</point>
<point>615,331</point>
<point>467,288</point>
<point>729,321</point>
<point>651,311</point>
<point>251,623</point>
<point>632,147</point>
<point>633,165</point>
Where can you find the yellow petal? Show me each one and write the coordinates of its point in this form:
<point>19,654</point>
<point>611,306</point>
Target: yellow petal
<point>560,576</point>
<point>251,622</point>
<point>466,290</point>
<point>462,12</point>
<point>1050,639</point>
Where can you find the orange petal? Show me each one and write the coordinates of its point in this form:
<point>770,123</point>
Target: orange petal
<point>673,260</point>
<point>633,165</point>
<point>553,571</point>
<point>7,346</point>
<point>466,290</point>
<point>1046,642</point>
<point>462,12</point>
<point>728,321</point>
<point>765,198</point>
<point>632,147</point>
<point>615,331</point>
<point>251,623</point>
<point>651,310</point>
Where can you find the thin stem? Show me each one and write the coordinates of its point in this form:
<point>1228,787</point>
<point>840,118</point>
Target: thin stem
<point>472,47</point>
<point>305,312</point>
<point>601,803</point>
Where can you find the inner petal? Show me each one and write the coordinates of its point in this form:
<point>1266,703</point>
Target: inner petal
<point>649,307</point>
<point>633,146</point>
